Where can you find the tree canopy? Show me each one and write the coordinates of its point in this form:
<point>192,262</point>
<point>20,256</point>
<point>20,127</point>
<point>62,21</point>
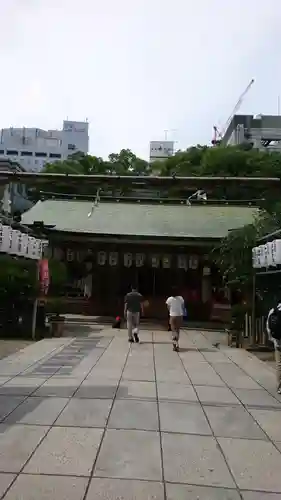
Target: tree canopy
<point>123,163</point>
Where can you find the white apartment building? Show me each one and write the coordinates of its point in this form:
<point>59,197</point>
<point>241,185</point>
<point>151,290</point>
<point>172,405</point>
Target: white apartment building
<point>33,147</point>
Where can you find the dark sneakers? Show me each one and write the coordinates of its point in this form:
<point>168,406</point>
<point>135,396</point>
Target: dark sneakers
<point>136,337</point>
<point>131,340</point>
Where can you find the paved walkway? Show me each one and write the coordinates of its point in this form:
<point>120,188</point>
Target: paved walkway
<point>89,418</point>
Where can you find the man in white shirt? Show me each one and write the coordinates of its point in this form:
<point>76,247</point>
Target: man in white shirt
<point>273,326</point>
<point>175,304</point>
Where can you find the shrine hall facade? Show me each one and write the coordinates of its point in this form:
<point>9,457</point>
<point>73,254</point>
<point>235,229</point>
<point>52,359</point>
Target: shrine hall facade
<point>111,245</point>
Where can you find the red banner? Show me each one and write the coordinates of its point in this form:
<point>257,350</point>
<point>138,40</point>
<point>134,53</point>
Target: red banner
<point>44,276</point>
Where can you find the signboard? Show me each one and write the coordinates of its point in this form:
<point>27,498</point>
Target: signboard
<point>161,150</point>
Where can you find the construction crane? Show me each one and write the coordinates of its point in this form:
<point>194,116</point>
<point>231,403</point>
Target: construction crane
<point>218,135</point>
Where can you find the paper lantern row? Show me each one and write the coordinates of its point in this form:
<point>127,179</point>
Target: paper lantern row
<point>139,259</point>
<point>14,242</point>
<point>267,255</point>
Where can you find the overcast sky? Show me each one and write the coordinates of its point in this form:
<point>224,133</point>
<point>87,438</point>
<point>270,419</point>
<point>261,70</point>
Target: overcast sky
<point>137,67</point>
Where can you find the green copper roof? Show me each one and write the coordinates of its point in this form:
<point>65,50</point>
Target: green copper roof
<point>138,219</point>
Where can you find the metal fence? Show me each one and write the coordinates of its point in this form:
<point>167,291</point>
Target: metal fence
<point>258,335</point>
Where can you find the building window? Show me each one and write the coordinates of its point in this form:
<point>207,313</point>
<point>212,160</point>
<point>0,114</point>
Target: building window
<point>12,152</point>
<point>55,155</point>
<point>1,151</point>
<point>26,153</point>
<point>71,147</point>
<point>41,155</point>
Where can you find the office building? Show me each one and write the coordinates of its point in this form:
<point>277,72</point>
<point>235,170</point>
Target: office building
<point>33,147</point>
<point>263,132</point>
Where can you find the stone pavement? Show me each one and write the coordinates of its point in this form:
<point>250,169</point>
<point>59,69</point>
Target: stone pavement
<point>90,418</point>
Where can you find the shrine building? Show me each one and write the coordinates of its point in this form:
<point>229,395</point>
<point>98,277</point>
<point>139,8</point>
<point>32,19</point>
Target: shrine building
<point>153,244</point>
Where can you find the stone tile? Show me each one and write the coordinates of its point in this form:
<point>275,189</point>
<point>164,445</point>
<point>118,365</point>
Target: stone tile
<point>85,413</point>
<point>186,418</point>
<point>91,389</point>
<point>3,380</point>
<point>117,489</point>
<point>37,411</point>
<point>172,375</point>
<point>130,454</point>
<point>8,404</point>
<point>66,451</point>
<point>22,385</point>
<point>194,460</point>
<point>5,481</point>
<point>139,373</point>
<point>229,421</point>
<point>270,422</point>
<point>255,464</point>
<point>216,395</point>
<point>241,382</point>
<point>187,492</point>
<point>58,387</point>
<point>259,398</point>
<point>17,442</point>
<point>137,389</point>
<point>134,414</point>
<point>176,392</point>
<point>278,445</point>
<point>204,376</point>
<point>29,487</point>
<point>257,495</point>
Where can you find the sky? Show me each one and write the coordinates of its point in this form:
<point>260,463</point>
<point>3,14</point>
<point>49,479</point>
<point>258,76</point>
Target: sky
<point>135,68</point>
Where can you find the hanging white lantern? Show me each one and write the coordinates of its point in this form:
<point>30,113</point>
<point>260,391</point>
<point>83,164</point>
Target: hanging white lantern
<point>277,252</point>
<point>193,262</point>
<point>155,261</point>
<point>15,242</point>
<point>269,254</point>
<point>206,271</point>
<point>128,259</point>
<point>101,258</point>
<point>166,261</point>
<point>31,247</point>
<point>113,258</point>
<point>254,257</point>
<point>70,255</point>
<point>5,238</point>
<point>273,253</point>
<point>265,255</point>
<point>182,262</point>
<point>24,245</point>
<point>140,259</point>
<point>262,255</point>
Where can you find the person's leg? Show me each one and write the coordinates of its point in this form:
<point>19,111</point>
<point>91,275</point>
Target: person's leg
<point>173,323</point>
<point>130,326</point>
<point>278,367</point>
<point>136,323</point>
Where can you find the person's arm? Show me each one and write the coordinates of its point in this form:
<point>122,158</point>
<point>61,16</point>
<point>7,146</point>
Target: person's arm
<point>125,306</point>
<point>168,303</point>
<point>268,327</point>
<point>183,306</point>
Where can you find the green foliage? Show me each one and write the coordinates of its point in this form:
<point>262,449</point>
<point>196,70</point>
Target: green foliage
<point>123,163</point>
<point>17,277</point>
<point>234,254</point>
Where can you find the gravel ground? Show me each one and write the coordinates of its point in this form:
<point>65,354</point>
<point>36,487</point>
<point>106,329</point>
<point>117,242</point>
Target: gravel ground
<point>8,347</point>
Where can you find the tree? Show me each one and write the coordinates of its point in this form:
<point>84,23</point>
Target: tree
<point>123,163</point>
